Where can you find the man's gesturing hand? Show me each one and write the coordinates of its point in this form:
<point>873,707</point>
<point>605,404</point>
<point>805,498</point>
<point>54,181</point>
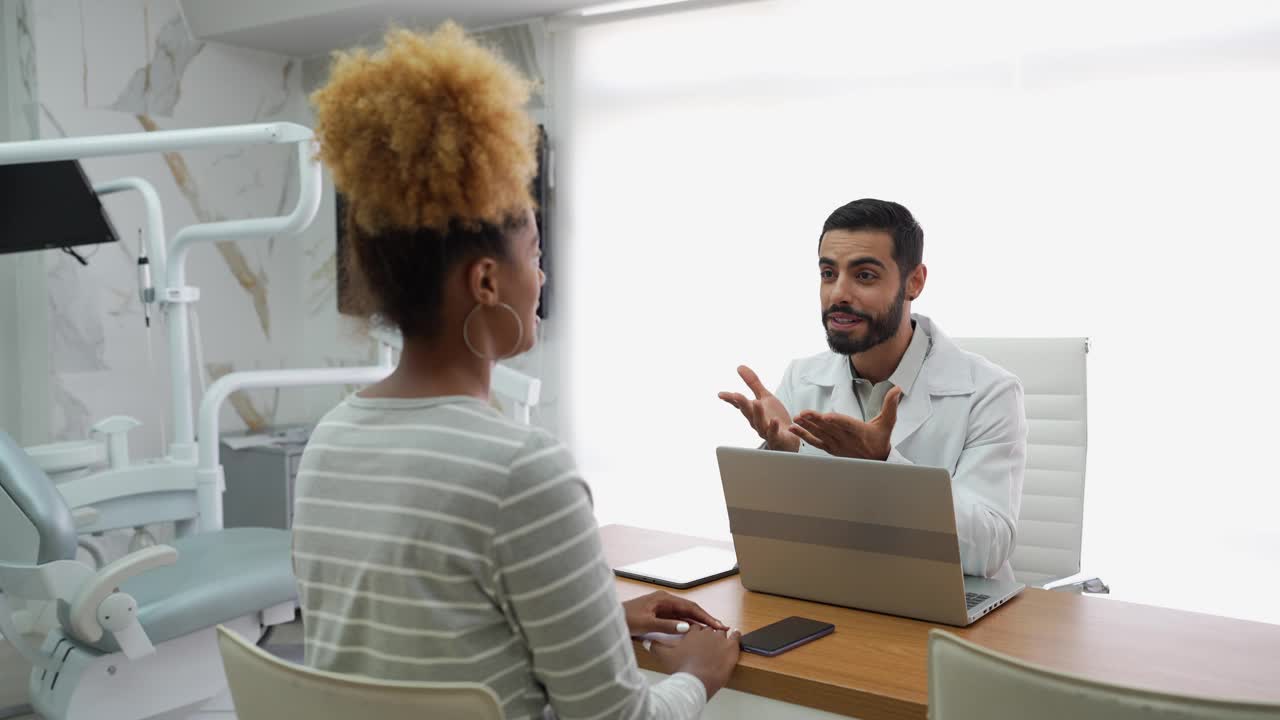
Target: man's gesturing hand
<point>843,436</point>
<point>766,413</point>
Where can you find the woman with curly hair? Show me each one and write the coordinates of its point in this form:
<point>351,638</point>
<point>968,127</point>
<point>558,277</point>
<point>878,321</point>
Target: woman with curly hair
<point>434,539</point>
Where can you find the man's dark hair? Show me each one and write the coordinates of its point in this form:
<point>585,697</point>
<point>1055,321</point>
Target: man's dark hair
<point>890,217</point>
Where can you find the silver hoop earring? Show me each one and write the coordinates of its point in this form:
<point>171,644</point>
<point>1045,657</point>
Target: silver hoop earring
<point>466,338</point>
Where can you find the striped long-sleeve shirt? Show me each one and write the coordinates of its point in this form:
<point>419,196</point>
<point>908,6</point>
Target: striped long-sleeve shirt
<point>435,540</point>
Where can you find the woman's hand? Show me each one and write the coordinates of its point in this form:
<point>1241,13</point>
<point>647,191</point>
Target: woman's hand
<point>663,612</point>
<point>709,655</point>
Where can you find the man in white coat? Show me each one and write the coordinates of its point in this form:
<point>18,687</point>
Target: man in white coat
<point>895,388</point>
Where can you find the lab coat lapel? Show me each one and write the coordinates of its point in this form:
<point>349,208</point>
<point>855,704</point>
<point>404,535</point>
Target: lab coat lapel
<point>843,400</point>
<point>912,413</point>
<point>914,410</point>
<point>945,372</point>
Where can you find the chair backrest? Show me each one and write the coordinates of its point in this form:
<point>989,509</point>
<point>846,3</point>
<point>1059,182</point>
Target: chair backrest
<point>969,682</point>
<point>515,392</point>
<point>35,522</point>
<point>1052,371</point>
<point>264,687</point>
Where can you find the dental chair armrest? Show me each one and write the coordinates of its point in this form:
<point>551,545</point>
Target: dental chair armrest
<point>13,632</point>
<point>84,516</point>
<point>49,582</point>
<point>84,609</point>
<point>60,458</point>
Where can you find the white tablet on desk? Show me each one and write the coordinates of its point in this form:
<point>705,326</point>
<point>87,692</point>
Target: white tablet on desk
<point>684,569</point>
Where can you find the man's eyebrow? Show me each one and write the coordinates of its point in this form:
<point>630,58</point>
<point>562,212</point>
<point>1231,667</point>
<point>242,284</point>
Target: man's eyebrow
<point>864,260</point>
<point>867,260</point>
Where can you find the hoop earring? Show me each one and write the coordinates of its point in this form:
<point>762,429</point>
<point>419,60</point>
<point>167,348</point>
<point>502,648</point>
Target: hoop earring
<point>466,338</point>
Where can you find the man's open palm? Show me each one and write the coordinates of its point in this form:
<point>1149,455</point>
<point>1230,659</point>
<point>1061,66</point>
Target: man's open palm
<point>766,413</point>
<point>843,436</point>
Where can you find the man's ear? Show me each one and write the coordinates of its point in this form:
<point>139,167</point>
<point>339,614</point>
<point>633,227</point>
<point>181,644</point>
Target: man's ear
<point>915,281</point>
<point>482,281</point>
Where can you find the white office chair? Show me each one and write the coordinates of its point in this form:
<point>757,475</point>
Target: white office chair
<point>1052,371</point>
<point>970,682</point>
<point>515,394</point>
<point>264,687</point>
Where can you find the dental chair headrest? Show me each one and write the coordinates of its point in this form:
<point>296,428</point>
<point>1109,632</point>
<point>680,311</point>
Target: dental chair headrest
<point>27,489</point>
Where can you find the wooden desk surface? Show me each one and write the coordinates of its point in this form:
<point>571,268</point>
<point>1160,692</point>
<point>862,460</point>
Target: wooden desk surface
<point>875,666</point>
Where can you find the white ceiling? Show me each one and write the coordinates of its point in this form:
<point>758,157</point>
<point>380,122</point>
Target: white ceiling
<point>304,28</point>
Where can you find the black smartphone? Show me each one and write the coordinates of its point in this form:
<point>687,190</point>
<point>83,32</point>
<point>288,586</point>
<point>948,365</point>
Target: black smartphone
<point>785,634</point>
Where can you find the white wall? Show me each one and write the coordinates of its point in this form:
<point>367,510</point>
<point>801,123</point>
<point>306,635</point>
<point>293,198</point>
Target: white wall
<point>24,366</point>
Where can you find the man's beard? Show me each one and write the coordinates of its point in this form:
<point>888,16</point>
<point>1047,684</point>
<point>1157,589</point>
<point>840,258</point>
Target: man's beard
<point>879,327</point>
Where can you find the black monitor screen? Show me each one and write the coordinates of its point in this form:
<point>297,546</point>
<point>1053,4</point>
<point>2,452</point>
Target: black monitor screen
<point>49,205</point>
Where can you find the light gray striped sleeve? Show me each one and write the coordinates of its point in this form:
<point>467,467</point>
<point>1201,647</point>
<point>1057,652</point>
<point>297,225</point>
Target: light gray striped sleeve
<point>559,591</point>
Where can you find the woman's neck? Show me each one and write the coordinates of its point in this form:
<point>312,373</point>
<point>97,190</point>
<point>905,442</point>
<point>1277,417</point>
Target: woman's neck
<point>434,368</point>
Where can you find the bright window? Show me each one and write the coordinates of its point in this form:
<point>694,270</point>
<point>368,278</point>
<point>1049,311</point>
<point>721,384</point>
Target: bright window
<point>1106,169</point>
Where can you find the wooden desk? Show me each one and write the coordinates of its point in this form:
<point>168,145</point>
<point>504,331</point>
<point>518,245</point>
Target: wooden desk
<point>875,666</point>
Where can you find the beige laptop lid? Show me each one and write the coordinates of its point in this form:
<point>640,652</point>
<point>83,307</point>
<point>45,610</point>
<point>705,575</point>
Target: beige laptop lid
<point>857,533</point>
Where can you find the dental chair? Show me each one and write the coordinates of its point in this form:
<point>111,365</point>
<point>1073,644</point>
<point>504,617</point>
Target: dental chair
<point>137,638</point>
<point>107,491</point>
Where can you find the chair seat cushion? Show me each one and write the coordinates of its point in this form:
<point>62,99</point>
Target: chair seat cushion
<point>219,576</point>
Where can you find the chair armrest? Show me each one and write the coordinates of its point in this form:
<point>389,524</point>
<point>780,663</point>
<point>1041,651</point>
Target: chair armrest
<point>40,583</point>
<point>84,609</point>
<point>84,516</point>
<point>63,457</point>
<point>57,580</point>
<point>1091,586</point>
<point>11,632</point>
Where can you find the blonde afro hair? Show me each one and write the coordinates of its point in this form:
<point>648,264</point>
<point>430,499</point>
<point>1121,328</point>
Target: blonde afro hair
<point>428,131</point>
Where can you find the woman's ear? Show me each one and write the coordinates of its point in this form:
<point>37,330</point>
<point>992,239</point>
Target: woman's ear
<point>482,281</point>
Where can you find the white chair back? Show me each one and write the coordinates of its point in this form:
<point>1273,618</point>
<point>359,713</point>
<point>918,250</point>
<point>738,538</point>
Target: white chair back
<point>970,682</point>
<point>1052,371</point>
<point>516,392</point>
<point>264,687</point>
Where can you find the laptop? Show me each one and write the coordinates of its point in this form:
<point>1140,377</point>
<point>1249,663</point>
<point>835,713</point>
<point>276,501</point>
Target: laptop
<point>858,533</point>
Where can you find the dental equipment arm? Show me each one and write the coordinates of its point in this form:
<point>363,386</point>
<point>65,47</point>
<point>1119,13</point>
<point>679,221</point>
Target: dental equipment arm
<point>169,273</point>
<point>209,477</point>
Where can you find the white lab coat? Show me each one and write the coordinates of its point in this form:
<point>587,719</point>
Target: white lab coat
<point>963,414</point>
